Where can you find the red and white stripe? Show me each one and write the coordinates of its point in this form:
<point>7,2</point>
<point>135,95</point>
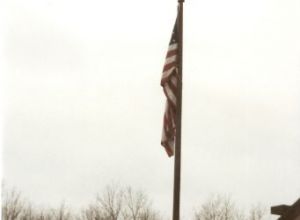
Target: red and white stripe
<point>169,83</point>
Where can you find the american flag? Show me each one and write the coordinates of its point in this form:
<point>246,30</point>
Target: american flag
<point>169,82</point>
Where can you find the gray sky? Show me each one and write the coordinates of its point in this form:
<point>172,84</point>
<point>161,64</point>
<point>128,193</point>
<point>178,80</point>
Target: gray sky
<point>82,105</point>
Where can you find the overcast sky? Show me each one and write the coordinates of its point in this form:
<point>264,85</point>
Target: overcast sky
<point>82,105</point>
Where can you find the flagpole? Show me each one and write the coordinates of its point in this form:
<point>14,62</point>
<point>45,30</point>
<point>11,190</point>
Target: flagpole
<point>177,160</point>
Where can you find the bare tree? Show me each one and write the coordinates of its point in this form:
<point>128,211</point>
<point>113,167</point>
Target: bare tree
<point>218,208</point>
<point>137,206</point>
<point>88,213</point>
<point>45,215</point>
<point>28,213</point>
<point>136,202</point>
<point>93,212</point>
<point>62,213</point>
<point>257,213</point>
<point>116,203</point>
<point>111,202</point>
<point>12,204</point>
<point>222,208</point>
<point>150,214</point>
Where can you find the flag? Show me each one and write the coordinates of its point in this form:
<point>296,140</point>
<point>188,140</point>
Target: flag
<point>169,82</point>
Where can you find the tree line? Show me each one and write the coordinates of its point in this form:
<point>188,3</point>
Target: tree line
<point>121,203</point>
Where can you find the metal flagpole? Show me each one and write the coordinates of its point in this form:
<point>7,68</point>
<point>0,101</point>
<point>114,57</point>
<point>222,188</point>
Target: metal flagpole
<point>177,160</point>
